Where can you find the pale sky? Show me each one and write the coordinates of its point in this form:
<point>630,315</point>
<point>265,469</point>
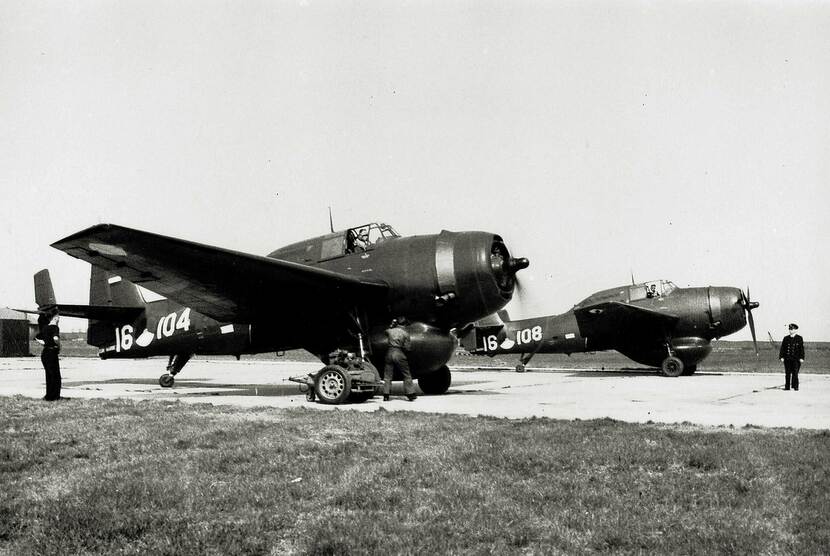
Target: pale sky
<point>679,140</point>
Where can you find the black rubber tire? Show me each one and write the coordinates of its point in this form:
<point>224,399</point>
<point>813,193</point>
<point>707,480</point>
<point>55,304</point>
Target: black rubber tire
<point>333,385</point>
<point>672,367</point>
<point>437,382</point>
<point>166,380</point>
<point>520,368</point>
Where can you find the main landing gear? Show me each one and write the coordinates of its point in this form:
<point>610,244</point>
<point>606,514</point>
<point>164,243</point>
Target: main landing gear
<point>672,366</point>
<point>174,366</point>
<point>436,382</point>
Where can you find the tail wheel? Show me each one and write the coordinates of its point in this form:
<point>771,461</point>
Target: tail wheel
<point>166,380</point>
<point>333,385</point>
<point>436,382</point>
<point>672,366</point>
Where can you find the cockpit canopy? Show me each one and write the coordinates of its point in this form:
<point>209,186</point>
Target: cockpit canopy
<point>362,238</point>
<point>354,240</point>
<point>647,290</point>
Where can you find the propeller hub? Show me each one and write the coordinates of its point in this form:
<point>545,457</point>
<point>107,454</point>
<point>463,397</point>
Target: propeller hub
<point>516,264</point>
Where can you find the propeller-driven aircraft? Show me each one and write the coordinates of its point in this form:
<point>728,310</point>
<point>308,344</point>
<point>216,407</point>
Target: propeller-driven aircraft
<point>331,294</point>
<point>654,323</point>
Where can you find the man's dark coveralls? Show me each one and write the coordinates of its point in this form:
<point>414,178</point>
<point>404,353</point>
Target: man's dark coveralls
<point>792,352</point>
<point>399,344</point>
<point>49,358</point>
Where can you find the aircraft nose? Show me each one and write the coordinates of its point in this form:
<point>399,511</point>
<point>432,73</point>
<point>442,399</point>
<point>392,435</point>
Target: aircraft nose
<point>737,311</point>
<point>726,307</point>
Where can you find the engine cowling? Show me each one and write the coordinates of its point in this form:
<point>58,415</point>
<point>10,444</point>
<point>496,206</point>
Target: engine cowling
<point>453,278</point>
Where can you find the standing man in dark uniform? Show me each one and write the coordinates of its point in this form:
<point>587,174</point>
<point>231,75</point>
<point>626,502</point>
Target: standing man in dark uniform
<point>399,344</point>
<point>50,337</point>
<point>792,355</point>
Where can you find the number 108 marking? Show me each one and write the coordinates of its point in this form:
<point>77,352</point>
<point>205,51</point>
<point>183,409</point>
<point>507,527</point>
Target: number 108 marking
<point>528,335</point>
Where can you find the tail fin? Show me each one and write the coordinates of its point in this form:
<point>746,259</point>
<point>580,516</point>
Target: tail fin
<point>44,293</point>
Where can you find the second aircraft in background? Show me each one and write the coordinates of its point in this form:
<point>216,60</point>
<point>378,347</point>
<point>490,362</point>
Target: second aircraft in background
<point>654,323</point>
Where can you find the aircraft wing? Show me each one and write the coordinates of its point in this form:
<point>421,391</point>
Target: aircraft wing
<point>228,286</point>
<point>612,318</point>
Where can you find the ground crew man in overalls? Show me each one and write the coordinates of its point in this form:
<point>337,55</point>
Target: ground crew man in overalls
<point>399,345</point>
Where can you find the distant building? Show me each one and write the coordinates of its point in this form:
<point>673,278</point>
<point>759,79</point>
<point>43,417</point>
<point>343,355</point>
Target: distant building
<point>14,333</point>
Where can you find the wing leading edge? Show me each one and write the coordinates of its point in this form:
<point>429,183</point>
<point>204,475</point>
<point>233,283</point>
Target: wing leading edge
<point>226,285</point>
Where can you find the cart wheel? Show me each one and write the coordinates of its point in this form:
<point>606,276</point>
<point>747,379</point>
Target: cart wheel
<point>333,385</point>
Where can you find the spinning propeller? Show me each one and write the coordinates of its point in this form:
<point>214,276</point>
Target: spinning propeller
<point>749,306</point>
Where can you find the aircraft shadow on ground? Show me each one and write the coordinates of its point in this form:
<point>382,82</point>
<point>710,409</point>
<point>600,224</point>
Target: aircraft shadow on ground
<point>206,389</point>
<point>630,372</point>
<point>216,389</point>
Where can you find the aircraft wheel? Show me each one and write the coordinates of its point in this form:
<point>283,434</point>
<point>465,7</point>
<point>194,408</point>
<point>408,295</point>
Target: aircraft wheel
<point>689,370</point>
<point>333,385</point>
<point>166,380</point>
<point>672,366</point>
<point>437,382</point>
<point>520,368</point>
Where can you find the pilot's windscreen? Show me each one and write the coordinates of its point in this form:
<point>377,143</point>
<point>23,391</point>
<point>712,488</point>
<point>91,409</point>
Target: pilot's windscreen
<point>387,231</point>
<point>375,234</point>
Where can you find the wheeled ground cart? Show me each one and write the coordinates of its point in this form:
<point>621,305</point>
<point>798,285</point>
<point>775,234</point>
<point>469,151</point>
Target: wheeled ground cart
<point>347,378</point>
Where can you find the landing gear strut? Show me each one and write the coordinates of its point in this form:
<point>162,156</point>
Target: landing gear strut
<point>174,366</point>
<point>524,359</point>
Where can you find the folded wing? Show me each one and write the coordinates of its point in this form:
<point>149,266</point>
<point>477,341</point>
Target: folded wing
<point>226,285</point>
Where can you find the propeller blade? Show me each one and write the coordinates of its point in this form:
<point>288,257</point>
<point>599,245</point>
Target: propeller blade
<point>752,330</point>
<point>749,306</point>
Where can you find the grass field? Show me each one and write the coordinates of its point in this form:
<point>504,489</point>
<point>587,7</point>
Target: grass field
<point>106,477</point>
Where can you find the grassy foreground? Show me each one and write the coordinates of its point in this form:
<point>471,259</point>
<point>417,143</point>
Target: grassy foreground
<point>124,477</point>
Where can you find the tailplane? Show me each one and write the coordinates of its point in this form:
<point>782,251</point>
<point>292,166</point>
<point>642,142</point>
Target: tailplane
<point>112,302</point>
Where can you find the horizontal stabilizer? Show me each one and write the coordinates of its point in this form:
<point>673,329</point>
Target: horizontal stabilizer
<point>106,313</point>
